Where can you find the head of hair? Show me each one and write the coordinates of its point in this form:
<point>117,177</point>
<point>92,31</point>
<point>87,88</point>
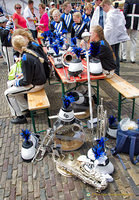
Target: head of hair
<point>56,12</point>
<point>24,33</point>
<point>30,1</point>
<point>88,6</point>
<point>20,43</point>
<point>108,2</point>
<point>99,30</point>
<point>42,5</point>
<point>77,14</point>
<point>65,4</point>
<point>52,10</point>
<point>17,4</point>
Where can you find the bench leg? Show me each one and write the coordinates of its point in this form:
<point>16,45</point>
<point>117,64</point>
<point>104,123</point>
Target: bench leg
<point>133,108</point>
<point>49,123</point>
<point>33,121</point>
<point>119,107</point>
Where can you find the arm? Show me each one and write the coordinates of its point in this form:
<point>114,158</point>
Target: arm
<point>28,71</point>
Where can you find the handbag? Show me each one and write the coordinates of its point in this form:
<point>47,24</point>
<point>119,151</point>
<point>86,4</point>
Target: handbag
<point>127,142</point>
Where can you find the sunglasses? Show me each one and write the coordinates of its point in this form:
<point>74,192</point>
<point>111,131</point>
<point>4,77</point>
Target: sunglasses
<point>18,7</point>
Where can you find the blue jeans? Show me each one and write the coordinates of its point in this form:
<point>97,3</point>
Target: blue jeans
<point>115,48</point>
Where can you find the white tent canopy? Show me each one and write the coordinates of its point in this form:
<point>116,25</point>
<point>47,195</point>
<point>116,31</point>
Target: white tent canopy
<point>8,5</point>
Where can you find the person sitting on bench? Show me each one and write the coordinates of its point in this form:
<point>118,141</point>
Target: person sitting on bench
<point>33,79</point>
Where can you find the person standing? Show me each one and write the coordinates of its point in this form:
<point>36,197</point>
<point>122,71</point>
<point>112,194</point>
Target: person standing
<point>67,19</point>
<point>131,13</point>
<point>30,18</point>
<point>44,20</point>
<point>99,16</point>
<point>114,29</point>
<point>18,20</point>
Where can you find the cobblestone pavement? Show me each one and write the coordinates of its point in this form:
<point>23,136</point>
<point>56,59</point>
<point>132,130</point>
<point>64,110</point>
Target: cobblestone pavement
<point>41,181</point>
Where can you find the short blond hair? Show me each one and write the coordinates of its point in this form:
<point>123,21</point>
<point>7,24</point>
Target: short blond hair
<point>77,14</point>
<point>56,12</point>
<point>88,6</point>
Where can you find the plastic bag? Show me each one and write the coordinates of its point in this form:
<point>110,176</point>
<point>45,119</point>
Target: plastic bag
<point>15,70</point>
<point>126,124</point>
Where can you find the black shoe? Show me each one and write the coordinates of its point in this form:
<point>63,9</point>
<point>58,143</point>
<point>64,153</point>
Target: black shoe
<point>19,120</point>
<point>133,62</point>
<point>123,60</point>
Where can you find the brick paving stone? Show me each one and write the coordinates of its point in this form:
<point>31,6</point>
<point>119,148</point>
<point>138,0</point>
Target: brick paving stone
<point>24,191</point>
<point>3,179</point>
<point>5,165</point>
<point>35,172</point>
<point>46,172</point>
<point>79,190</point>
<point>20,171</point>
<point>13,193</point>
<point>52,178</point>
<point>19,198</point>
<point>42,182</point>
<point>10,159</point>
<point>1,141</point>
<point>1,193</point>
<point>49,191</point>
<point>25,173</point>
<point>43,194</point>
<point>55,192</point>
<point>19,186</point>
<point>71,185</point>
<point>14,176</point>
<point>30,196</point>
<point>7,188</point>
<point>9,174</point>
<point>1,159</point>
<point>30,169</point>
<point>36,188</point>
<point>15,163</point>
<point>30,184</point>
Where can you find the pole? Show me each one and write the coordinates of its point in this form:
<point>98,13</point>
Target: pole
<point>89,89</point>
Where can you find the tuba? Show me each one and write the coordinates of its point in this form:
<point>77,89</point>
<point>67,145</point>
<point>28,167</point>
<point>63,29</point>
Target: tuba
<point>67,57</point>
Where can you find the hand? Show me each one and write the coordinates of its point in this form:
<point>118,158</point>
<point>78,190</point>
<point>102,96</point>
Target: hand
<point>16,83</point>
<point>17,59</point>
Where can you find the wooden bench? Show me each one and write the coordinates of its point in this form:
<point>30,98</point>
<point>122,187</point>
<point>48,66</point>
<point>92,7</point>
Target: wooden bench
<point>38,101</point>
<point>126,91</point>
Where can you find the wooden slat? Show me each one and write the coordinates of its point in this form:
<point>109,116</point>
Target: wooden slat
<point>126,89</point>
<point>38,100</point>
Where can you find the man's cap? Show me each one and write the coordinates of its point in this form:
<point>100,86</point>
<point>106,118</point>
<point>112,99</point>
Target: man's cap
<point>52,3</point>
<point>3,19</point>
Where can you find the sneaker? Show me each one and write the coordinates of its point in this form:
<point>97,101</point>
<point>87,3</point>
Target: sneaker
<point>133,62</point>
<point>19,120</point>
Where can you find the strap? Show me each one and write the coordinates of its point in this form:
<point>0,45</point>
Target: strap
<point>132,150</point>
<point>120,145</point>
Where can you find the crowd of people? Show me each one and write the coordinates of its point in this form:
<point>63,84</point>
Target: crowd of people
<point>109,28</point>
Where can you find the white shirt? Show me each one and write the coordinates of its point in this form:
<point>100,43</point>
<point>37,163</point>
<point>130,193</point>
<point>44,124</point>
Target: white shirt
<point>28,14</point>
<point>114,27</point>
